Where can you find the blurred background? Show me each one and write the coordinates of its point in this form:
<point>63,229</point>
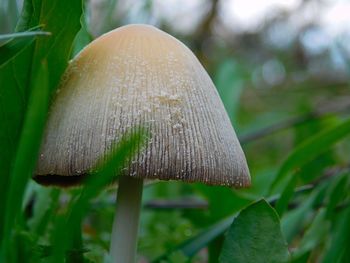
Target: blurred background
<point>282,69</point>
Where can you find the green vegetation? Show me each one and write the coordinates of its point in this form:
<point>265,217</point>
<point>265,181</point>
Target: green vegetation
<point>294,133</point>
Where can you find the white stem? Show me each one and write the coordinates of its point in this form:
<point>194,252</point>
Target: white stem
<point>126,221</point>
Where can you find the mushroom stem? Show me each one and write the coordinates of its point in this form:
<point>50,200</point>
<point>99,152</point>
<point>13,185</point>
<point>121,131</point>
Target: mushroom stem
<point>126,221</point>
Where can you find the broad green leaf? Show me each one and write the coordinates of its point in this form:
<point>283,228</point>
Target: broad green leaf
<point>62,19</point>
<point>310,149</point>
<point>255,236</point>
<point>16,77</point>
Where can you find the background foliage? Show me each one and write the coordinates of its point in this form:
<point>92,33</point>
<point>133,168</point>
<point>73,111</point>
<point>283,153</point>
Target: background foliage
<point>287,97</point>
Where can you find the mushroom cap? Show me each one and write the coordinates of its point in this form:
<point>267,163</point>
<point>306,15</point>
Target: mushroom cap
<point>138,75</point>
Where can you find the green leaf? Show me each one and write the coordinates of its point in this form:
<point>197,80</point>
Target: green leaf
<point>83,38</point>
<point>13,47</point>
<point>18,83</point>
<point>62,19</point>
<point>27,34</point>
<point>26,16</point>
<point>28,149</point>
<point>255,236</point>
<point>310,149</point>
<point>14,94</point>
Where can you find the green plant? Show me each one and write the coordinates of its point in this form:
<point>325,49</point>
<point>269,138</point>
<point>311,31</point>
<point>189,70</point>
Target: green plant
<point>297,151</point>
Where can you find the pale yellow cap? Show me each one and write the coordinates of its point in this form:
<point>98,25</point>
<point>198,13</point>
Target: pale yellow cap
<point>138,75</point>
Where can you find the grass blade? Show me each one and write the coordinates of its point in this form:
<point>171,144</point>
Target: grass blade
<point>28,149</point>
<point>310,149</point>
<point>94,184</point>
<point>27,34</point>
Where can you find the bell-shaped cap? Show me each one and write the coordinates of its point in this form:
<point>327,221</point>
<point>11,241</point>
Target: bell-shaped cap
<point>138,75</point>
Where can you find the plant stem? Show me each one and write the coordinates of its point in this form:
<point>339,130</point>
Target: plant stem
<point>126,221</point>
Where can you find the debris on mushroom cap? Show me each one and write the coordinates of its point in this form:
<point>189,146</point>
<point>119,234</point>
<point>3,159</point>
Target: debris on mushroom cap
<point>139,75</point>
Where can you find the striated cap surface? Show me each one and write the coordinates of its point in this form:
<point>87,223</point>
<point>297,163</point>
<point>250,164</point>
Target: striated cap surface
<point>139,75</point>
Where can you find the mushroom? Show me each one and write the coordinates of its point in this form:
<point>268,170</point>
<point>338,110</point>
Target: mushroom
<point>138,75</point>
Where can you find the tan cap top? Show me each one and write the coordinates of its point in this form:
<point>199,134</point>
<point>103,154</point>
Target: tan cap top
<point>139,75</point>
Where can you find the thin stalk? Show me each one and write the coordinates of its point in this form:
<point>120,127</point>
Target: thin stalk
<point>126,221</point>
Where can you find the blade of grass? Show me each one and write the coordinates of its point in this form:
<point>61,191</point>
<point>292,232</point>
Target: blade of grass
<point>28,149</point>
<point>44,206</point>
<point>14,93</point>
<point>287,194</point>
<point>19,75</point>
<point>315,234</point>
<point>110,169</point>
<point>293,221</point>
<point>13,47</point>
<point>308,150</point>
<point>340,236</point>
<point>27,34</point>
